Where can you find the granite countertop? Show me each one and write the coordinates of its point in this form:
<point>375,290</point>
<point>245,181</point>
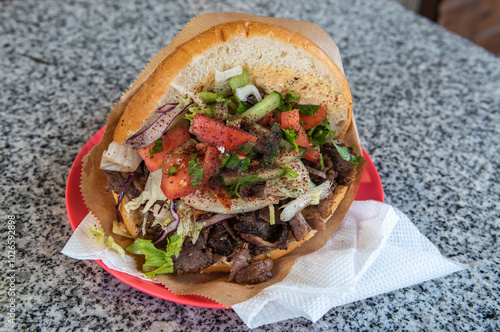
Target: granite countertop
<point>427,106</point>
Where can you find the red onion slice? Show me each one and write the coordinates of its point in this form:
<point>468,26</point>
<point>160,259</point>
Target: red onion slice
<point>216,219</point>
<point>316,172</point>
<point>173,224</point>
<point>157,128</point>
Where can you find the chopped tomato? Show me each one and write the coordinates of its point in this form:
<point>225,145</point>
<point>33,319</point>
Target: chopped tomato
<point>171,141</point>
<point>216,132</point>
<point>311,155</point>
<point>310,121</point>
<point>291,120</point>
<point>210,161</point>
<point>176,180</point>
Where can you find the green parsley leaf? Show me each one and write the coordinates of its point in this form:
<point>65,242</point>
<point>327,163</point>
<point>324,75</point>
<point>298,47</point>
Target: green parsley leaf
<point>307,109</point>
<point>346,154</point>
<point>318,134</point>
<point>291,96</point>
<point>210,97</point>
<point>244,165</point>
<point>225,158</point>
<point>235,163</point>
<point>287,105</point>
<point>158,147</point>
<point>195,171</point>
<point>321,162</point>
<point>246,147</point>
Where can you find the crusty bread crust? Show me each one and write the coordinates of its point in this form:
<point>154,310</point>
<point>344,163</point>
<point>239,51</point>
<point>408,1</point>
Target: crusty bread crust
<point>129,219</point>
<point>277,59</point>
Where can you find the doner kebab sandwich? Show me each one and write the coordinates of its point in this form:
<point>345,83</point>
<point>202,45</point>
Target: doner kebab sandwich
<point>229,155</point>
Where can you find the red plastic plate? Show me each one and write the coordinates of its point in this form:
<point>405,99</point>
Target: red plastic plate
<point>370,189</point>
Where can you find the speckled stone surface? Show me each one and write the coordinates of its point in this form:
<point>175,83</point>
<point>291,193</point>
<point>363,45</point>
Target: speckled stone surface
<point>427,105</point>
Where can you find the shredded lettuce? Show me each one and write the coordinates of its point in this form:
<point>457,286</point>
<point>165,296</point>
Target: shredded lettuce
<point>196,230</point>
<point>184,101</point>
<point>163,216</point>
<point>293,183</point>
<point>157,261</point>
<point>195,109</point>
<point>152,193</point>
<point>240,80</point>
<point>210,97</point>
<point>97,233</point>
<point>271,215</point>
<point>187,225</point>
<point>310,197</point>
<point>245,91</point>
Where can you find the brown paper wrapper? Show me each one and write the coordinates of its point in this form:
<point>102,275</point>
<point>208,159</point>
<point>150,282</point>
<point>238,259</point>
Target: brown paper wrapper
<point>212,285</point>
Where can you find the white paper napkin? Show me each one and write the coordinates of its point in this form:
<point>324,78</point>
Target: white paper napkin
<point>82,246</point>
<point>375,250</point>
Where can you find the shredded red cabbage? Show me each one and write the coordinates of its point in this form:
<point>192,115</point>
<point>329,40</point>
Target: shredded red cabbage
<point>120,196</point>
<point>162,205</point>
<point>167,107</point>
<point>173,224</point>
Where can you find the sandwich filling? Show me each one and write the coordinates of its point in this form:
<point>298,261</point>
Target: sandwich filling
<point>226,176</point>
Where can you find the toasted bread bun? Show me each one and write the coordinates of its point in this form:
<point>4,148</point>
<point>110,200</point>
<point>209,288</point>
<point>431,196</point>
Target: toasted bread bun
<point>132,219</point>
<point>276,58</point>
